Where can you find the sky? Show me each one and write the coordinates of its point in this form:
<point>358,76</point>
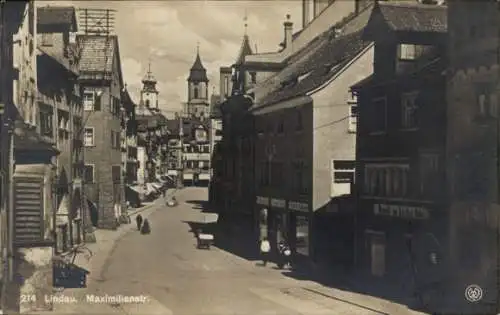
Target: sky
<point>167,32</point>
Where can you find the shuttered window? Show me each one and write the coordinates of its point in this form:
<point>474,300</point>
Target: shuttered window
<point>28,210</point>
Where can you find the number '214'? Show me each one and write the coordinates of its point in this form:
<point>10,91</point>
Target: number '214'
<point>27,298</point>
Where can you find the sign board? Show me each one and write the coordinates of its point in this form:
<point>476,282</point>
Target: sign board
<point>298,206</point>
<point>401,211</point>
<point>67,275</point>
<point>278,203</point>
<point>263,201</point>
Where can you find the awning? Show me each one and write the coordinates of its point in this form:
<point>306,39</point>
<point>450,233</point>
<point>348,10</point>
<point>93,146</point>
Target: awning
<point>27,139</point>
<point>204,176</point>
<point>150,189</point>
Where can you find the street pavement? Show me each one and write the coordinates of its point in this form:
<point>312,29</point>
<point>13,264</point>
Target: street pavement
<point>172,276</point>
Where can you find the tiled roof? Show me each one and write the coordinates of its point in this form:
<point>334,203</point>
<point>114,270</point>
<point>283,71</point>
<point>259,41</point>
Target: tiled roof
<point>58,57</point>
<point>414,16</point>
<point>321,60</point>
<point>56,15</point>
<point>97,53</point>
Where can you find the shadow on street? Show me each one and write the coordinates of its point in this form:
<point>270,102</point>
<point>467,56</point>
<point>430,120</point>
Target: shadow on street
<point>346,279</point>
<point>235,242</point>
<point>199,205</point>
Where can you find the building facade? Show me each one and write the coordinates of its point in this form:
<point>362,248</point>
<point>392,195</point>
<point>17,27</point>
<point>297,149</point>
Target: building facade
<point>102,82</point>
<point>400,149</point>
<point>61,116</point>
<point>302,126</point>
<point>472,150</point>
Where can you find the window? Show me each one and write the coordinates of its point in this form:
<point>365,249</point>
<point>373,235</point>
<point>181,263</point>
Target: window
<point>300,182</point>
<point>407,52</point>
<point>88,100</point>
<point>389,180</point>
<point>299,123</point>
<point>281,126</point>
<point>115,139</point>
<point>147,103</point>
<point>88,137</point>
<point>378,117</point>
<point>88,173</point>
<point>487,102</point>
<point>195,92</point>
<point>264,174</point>
<point>429,168</point>
<point>353,117</point>
<point>115,106</point>
<point>277,174</point>
<point>47,39</point>
<point>409,110</point>
<point>253,76</point>
<point>46,127</point>
<point>116,173</point>
<point>226,86</point>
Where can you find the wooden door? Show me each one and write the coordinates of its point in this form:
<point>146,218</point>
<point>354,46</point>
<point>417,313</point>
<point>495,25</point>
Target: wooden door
<point>378,255</point>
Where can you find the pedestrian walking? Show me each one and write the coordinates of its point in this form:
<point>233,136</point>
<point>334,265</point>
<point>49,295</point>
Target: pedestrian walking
<point>138,220</point>
<point>265,248</point>
<point>164,192</point>
<point>146,228</point>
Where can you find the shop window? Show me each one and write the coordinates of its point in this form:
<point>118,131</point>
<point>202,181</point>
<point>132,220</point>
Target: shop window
<point>302,235</point>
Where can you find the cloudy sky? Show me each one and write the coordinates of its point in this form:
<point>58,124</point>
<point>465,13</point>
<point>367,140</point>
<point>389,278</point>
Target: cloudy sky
<point>167,32</point>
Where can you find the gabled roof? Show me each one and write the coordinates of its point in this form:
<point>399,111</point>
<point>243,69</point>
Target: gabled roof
<point>245,50</point>
<point>318,62</point>
<point>97,53</point>
<point>57,16</point>
<point>413,16</point>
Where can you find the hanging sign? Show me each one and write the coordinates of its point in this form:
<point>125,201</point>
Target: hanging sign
<point>263,201</point>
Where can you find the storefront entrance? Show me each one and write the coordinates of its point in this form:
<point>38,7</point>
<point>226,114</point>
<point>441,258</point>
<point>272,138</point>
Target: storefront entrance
<point>376,250</point>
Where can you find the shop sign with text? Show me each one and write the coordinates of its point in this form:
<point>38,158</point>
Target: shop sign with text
<point>401,211</point>
<point>264,201</point>
<point>298,206</point>
<point>278,203</point>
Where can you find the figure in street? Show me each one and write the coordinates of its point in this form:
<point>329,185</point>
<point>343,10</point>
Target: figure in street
<point>138,220</point>
<point>265,248</point>
<point>146,229</point>
<point>164,192</point>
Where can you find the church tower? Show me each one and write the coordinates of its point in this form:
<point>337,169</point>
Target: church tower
<point>197,104</point>
<point>149,93</point>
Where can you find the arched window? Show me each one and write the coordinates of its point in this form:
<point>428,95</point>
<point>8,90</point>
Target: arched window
<point>147,103</point>
<point>195,93</point>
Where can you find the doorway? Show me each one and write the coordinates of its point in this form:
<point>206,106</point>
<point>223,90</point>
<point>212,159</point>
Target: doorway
<point>377,252</point>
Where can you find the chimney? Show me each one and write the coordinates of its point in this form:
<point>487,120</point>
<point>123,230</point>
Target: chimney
<point>306,12</point>
<point>288,25</point>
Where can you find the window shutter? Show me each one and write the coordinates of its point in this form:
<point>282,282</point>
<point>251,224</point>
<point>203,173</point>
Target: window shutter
<point>28,210</point>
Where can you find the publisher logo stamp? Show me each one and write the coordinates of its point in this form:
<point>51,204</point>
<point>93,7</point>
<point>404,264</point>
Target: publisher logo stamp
<point>473,293</point>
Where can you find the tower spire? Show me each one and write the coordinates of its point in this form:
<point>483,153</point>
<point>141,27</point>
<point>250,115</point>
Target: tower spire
<point>198,47</point>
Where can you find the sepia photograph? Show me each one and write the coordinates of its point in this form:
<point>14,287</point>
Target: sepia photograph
<point>258,157</point>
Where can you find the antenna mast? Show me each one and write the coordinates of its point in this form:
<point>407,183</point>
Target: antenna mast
<point>97,21</point>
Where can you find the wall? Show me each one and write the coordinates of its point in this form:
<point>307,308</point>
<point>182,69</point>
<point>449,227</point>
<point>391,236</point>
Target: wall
<point>102,155</point>
<point>331,137</point>
<point>24,57</point>
<point>141,157</point>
